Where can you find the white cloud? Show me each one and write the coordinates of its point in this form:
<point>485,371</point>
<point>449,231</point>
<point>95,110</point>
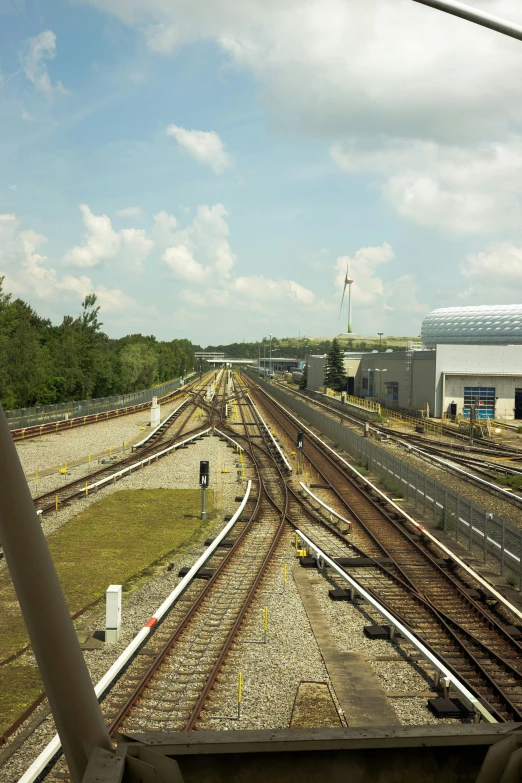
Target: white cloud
<point>494,275</point>
<point>36,51</point>
<point>131,212</point>
<point>206,239</point>
<point>340,67</point>
<point>164,228</point>
<point>182,264</point>
<point>130,246</point>
<point>204,146</point>
<point>265,289</point>
<point>28,272</point>
<point>475,190</point>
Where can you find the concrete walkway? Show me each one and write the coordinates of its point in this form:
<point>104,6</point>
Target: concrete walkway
<point>358,690</point>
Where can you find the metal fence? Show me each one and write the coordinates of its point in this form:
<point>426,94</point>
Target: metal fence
<point>28,417</point>
<point>490,538</point>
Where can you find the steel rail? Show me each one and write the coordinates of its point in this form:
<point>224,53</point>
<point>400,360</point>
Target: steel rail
<point>400,511</point>
<point>113,672</point>
<point>404,630</point>
<point>405,583</point>
<point>511,707</point>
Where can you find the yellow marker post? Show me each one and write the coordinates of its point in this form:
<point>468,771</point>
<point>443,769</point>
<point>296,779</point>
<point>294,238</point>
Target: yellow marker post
<point>110,451</point>
<point>41,429</point>
<point>86,488</point>
<point>88,459</point>
<point>56,503</point>
<point>239,694</point>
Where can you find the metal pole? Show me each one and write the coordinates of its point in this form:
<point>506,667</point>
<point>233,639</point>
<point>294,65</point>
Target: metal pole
<point>503,544</point>
<point>485,536</point>
<point>64,673</point>
<point>270,360</point>
<point>474,15</point>
<point>203,503</point>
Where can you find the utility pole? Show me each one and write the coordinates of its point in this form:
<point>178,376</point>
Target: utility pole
<point>270,360</point>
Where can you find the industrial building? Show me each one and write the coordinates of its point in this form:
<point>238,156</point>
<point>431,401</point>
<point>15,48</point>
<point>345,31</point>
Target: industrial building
<point>468,355</point>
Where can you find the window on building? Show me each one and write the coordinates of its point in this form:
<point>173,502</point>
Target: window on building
<point>483,397</point>
<point>392,390</point>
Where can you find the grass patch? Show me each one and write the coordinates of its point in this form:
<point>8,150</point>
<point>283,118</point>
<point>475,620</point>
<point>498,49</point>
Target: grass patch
<point>391,487</point>
<point>19,686</point>
<point>111,542</point>
<point>510,481</point>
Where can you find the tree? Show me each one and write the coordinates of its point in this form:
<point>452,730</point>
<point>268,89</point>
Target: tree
<point>335,373</point>
<point>303,383</point>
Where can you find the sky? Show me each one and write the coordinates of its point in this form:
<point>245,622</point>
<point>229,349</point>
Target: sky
<point>211,170</point>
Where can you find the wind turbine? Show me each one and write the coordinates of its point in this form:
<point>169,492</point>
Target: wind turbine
<point>347,282</point>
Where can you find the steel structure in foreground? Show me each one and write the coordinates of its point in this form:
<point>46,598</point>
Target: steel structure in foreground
<point>471,14</point>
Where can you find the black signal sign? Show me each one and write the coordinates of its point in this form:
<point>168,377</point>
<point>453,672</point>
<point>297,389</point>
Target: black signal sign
<point>204,473</point>
<point>300,440</point>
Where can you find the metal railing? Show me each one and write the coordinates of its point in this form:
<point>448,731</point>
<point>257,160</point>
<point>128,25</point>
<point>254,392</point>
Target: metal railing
<point>487,536</point>
<point>29,417</point>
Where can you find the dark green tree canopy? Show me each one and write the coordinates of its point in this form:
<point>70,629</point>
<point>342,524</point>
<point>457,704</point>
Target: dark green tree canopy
<point>335,374</point>
<point>42,364</point>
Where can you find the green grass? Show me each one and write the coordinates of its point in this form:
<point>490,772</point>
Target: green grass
<point>391,487</point>
<point>113,542</point>
<point>510,481</point>
<point>20,686</point>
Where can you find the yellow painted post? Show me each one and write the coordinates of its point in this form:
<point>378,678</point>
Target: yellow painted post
<point>124,445</point>
<point>86,488</point>
<point>306,477</point>
<point>110,451</point>
<point>56,426</point>
<point>265,622</point>
<point>56,503</point>
<point>239,693</point>
<point>41,429</point>
<point>88,459</point>
<point>84,419</point>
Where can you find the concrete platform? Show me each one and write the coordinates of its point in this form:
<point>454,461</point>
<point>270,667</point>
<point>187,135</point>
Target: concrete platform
<point>358,690</point>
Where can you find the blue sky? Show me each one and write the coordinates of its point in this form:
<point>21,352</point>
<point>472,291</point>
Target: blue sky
<point>209,169</point>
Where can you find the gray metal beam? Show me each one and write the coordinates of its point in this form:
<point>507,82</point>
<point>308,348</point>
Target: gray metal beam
<point>65,676</point>
<point>474,15</point>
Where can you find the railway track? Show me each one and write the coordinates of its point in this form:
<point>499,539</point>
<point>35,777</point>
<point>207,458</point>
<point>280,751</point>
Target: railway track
<point>51,427</point>
<point>166,437</point>
<point>478,631</point>
<point>168,682</point>
<point>475,459</point>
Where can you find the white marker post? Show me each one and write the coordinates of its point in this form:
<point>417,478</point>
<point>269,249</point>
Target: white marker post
<point>113,614</point>
<point>155,413</point>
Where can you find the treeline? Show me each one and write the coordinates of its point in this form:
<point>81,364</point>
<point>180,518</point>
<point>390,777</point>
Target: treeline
<point>42,364</point>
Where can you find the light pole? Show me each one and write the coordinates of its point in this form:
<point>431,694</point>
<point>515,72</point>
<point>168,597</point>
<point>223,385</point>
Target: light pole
<point>270,359</point>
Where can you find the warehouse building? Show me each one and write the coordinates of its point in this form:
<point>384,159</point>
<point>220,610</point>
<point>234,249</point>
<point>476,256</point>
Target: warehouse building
<point>468,355</point>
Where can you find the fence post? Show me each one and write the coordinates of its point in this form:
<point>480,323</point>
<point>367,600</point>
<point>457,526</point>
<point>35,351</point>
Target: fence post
<point>485,536</point>
<point>503,543</point>
<point>520,562</point>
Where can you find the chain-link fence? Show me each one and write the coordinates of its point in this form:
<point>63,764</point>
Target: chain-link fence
<point>490,538</point>
<point>28,417</point>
